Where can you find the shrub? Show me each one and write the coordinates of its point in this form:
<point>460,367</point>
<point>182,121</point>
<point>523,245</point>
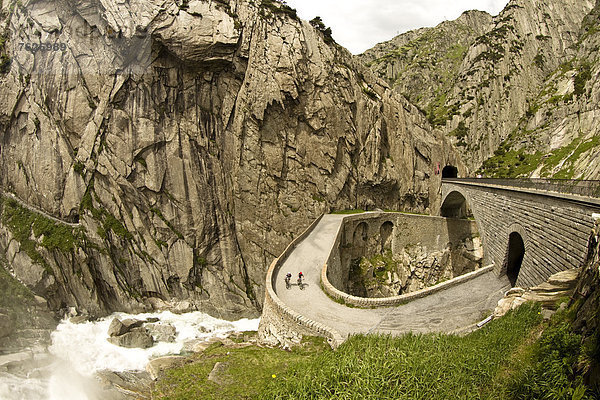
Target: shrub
<point>318,24</point>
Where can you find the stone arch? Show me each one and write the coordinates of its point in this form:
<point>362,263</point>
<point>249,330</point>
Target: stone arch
<point>455,206</point>
<point>449,171</point>
<point>515,253</point>
<point>361,233</point>
<point>385,232</point>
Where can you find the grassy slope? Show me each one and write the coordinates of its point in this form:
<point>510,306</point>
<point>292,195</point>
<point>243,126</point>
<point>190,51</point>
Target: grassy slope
<point>434,366</point>
<point>509,358</point>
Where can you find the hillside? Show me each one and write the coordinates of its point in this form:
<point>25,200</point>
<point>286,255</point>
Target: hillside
<point>520,98</point>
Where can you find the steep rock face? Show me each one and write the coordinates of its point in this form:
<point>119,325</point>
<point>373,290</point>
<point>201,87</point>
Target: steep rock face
<point>499,79</point>
<point>424,63</point>
<point>559,132</point>
<point>186,143</point>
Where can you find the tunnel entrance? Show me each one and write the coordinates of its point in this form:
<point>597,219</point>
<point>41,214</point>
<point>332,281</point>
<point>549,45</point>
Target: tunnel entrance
<point>514,257</point>
<point>450,171</point>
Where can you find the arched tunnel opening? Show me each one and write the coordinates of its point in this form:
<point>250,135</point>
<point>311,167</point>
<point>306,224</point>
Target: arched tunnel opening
<point>450,171</point>
<point>514,257</point>
<point>455,206</point>
<point>385,232</point>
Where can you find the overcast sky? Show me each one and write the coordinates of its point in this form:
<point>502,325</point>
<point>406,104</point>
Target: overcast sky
<point>360,24</point>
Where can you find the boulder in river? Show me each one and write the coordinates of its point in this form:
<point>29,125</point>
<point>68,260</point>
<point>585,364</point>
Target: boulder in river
<point>135,338</point>
<point>118,327</point>
<point>162,332</point>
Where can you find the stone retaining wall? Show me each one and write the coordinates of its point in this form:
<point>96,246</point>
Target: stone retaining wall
<point>280,324</point>
<point>555,228</point>
<point>366,302</point>
<point>432,232</point>
<point>363,235</point>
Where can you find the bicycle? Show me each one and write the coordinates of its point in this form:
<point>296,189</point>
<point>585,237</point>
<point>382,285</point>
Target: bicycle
<point>288,278</point>
<point>300,284</point>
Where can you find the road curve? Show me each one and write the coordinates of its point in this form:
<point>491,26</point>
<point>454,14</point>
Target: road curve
<point>445,311</point>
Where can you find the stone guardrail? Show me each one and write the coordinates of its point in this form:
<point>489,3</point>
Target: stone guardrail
<point>365,302</point>
<point>575,190</point>
<point>320,329</point>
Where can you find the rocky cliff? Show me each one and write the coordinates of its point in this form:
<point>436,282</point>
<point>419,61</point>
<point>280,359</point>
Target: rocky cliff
<point>162,150</point>
<point>520,99</point>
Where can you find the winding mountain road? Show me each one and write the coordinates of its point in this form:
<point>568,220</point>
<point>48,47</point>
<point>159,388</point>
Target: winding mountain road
<point>448,310</point>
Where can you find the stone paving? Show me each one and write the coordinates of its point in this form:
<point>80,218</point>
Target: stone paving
<point>453,309</point>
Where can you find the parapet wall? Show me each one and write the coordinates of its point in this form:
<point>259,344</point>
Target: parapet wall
<point>280,324</point>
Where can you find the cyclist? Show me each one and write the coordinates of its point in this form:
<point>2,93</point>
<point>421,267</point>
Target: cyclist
<point>288,277</point>
<point>300,277</point>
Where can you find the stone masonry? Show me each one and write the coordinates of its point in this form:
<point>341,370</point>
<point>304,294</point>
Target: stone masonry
<point>554,227</point>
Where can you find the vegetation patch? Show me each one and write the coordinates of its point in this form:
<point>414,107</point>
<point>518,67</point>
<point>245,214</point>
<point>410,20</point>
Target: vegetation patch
<point>568,155</point>
<point>583,75</point>
<point>109,221</point>
<point>434,366</point>
<point>461,132</point>
<point>4,58</point>
<point>510,163</point>
<point>31,230</point>
<point>357,211</point>
<point>318,24</point>
<point>160,215</point>
<point>244,374</point>
<point>370,93</point>
<point>279,7</point>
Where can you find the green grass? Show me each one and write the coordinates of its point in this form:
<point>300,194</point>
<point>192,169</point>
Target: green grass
<point>570,154</point>
<point>433,366</point>
<point>248,371</point>
<point>357,211</point>
<point>511,163</point>
<point>515,357</point>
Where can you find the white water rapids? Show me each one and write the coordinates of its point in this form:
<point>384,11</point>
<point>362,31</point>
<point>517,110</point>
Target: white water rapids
<point>80,350</point>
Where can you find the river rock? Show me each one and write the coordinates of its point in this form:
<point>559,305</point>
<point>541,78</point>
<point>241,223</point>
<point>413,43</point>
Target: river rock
<point>217,373</point>
<point>162,332</point>
<point>515,292</point>
<point>158,365</point>
<point>116,328</point>
<point>14,358</point>
<point>124,385</point>
<point>136,338</point>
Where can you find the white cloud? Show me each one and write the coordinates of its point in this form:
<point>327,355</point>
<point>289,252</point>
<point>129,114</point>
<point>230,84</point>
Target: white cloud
<point>359,25</point>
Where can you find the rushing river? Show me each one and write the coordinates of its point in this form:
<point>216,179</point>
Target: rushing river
<point>80,350</point>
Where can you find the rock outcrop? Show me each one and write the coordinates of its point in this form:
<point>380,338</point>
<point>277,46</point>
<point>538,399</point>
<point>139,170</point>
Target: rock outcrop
<point>168,150</point>
<point>519,98</point>
<point>553,293</point>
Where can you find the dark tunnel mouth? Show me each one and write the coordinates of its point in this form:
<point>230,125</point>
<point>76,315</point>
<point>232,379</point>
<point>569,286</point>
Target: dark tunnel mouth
<point>514,257</point>
<point>450,171</point>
